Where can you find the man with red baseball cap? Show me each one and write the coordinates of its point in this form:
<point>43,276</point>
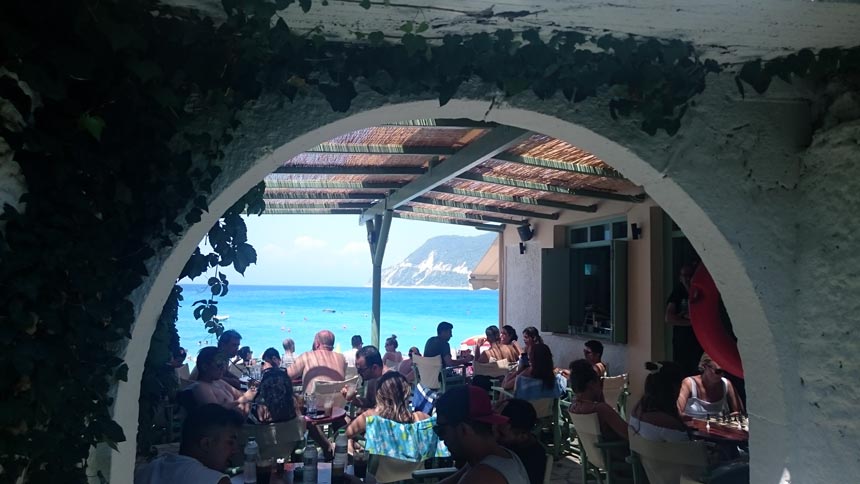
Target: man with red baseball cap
<point>464,420</point>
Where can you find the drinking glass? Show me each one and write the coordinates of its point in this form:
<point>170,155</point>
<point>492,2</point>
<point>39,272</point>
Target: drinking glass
<point>359,463</point>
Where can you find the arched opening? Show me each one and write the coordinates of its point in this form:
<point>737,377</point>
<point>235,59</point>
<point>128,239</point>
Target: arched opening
<point>727,268</point>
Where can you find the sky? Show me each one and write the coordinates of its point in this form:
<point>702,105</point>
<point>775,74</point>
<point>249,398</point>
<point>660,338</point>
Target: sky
<point>325,250</point>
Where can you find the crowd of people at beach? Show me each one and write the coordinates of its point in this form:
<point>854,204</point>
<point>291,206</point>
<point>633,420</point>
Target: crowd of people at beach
<point>495,444</point>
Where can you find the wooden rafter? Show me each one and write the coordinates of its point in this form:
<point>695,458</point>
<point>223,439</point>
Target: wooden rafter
<point>452,221</point>
<point>349,170</point>
<point>543,187</point>
<point>515,199</point>
<point>480,207</point>
<point>460,215</point>
<point>308,195</point>
<point>492,143</point>
<point>332,185</point>
<point>567,166</point>
<point>364,149</point>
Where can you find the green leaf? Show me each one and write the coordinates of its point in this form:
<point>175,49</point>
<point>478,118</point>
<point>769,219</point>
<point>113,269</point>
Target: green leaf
<point>306,5</point>
<point>376,38</point>
<point>422,27</point>
<point>406,27</point>
<point>365,4</point>
<point>94,125</point>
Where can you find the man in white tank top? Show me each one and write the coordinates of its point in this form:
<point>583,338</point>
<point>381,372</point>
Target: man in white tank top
<point>209,438</point>
<point>464,421</point>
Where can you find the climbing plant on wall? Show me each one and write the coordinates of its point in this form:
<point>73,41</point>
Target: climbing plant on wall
<point>118,114</point>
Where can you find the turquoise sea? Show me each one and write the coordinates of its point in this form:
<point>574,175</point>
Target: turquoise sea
<point>265,315</point>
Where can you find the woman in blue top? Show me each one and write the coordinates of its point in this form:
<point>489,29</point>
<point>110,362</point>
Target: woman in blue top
<point>539,379</point>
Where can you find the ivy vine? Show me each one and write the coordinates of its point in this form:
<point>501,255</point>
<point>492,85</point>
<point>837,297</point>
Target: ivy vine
<point>125,108</point>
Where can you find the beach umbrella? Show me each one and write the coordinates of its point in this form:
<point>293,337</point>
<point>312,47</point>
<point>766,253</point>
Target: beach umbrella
<point>473,340</point>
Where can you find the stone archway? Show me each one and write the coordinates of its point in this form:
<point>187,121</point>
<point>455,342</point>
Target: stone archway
<point>638,157</point>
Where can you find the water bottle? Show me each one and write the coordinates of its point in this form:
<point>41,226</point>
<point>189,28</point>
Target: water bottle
<point>309,474</point>
<point>252,455</point>
<point>338,466</point>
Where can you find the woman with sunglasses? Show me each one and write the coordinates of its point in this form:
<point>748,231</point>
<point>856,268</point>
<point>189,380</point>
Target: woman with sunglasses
<point>709,393</point>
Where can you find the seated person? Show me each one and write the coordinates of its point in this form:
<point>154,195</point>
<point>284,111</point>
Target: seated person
<point>321,363</point>
<point>392,357</point>
<point>210,388</point>
<point>274,401</point>
<point>588,389</point>
<point>368,364</point>
<point>228,345</point>
<point>517,436</point>
<point>655,417</point>
<point>438,346</point>
<point>391,403</point>
<point>593,352</point>
<point>708,393</point>
<point>209,438</point>
<point>405,368</point>
<point>500,347</point>
<point>531,336</point>
<point>539,379</point>
<point>464,421</point>
<point>289,352</point>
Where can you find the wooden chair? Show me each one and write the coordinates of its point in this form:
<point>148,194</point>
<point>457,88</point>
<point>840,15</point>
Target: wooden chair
<point>615,391</point>
<point>594,452</point>
<point>277,439</point>
<point>430,373</point>
<point>331,390</point>
<point>493,369</point>
<point>418,437</point>
<point>547,473</point>
<point>666,462</point>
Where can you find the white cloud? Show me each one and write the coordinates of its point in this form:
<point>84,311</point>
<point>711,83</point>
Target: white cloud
<point>307,242</point>
<point>352,248</point>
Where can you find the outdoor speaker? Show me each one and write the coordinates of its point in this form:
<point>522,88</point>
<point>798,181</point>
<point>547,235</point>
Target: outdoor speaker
<point>526,232</point>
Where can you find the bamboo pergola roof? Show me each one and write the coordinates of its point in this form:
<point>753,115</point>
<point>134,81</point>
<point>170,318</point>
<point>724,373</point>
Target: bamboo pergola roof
<point>450,171</point>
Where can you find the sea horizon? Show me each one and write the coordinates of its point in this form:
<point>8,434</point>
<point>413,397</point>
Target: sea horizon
<point>265,314</point>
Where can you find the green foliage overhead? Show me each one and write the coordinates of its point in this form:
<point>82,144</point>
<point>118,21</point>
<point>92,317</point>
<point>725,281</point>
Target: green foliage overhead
<point>112,94</point>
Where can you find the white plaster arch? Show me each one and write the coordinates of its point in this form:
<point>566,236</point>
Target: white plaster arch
<point>758,347</point>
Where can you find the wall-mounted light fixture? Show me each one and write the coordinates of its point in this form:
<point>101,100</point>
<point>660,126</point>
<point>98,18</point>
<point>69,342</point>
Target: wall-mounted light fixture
<point>635,231</point>
<point>526,233</point>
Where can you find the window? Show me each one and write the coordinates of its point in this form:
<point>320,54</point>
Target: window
<point>585,286</point>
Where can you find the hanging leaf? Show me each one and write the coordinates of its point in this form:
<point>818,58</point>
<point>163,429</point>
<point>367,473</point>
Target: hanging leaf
<point>94,125</point>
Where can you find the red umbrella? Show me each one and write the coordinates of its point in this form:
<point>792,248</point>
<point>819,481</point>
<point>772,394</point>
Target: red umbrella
<point>473,340</point>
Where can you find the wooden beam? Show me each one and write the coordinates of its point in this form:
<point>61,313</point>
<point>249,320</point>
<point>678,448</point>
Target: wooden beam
<point>516,199</point>
<point>320,211</point>
<point>559,165</point>
<point>497,140</point>
<point>460,215</point>
<point>349,170</point>
<point>314,195</point>
<point>333,185</point>
<point>429,218</point>
<point>366,149</point>
<point>480,207</point>
<point>543,187</point>
<point>312,206</point>
<point>444,123</point>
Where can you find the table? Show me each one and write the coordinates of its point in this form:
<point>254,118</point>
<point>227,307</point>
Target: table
<point>336,414</point>
<point>323,474</point>
<point>718,431</point>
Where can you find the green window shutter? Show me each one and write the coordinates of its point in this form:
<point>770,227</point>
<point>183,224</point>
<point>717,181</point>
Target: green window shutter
<point>618,312</point>
<point>555,290</point>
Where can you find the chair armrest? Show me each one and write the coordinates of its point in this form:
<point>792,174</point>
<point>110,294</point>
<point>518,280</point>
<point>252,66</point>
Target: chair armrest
<point>502,391</point>
<point>440,473</point>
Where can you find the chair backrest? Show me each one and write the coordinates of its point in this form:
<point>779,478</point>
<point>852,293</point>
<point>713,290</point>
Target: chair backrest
<point>351,372</point>
<point>277,439</point>
<point>427,370</point>
<point>544,407</point>
<point>547,474</point>
<point>331,389</point>
<point>587,428</point>
<point>493,369</point>
<point>613,388</point>
<point>391,364</point>
<point>416,442</point>
<point>183,372</point>
<point>666,462</point>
